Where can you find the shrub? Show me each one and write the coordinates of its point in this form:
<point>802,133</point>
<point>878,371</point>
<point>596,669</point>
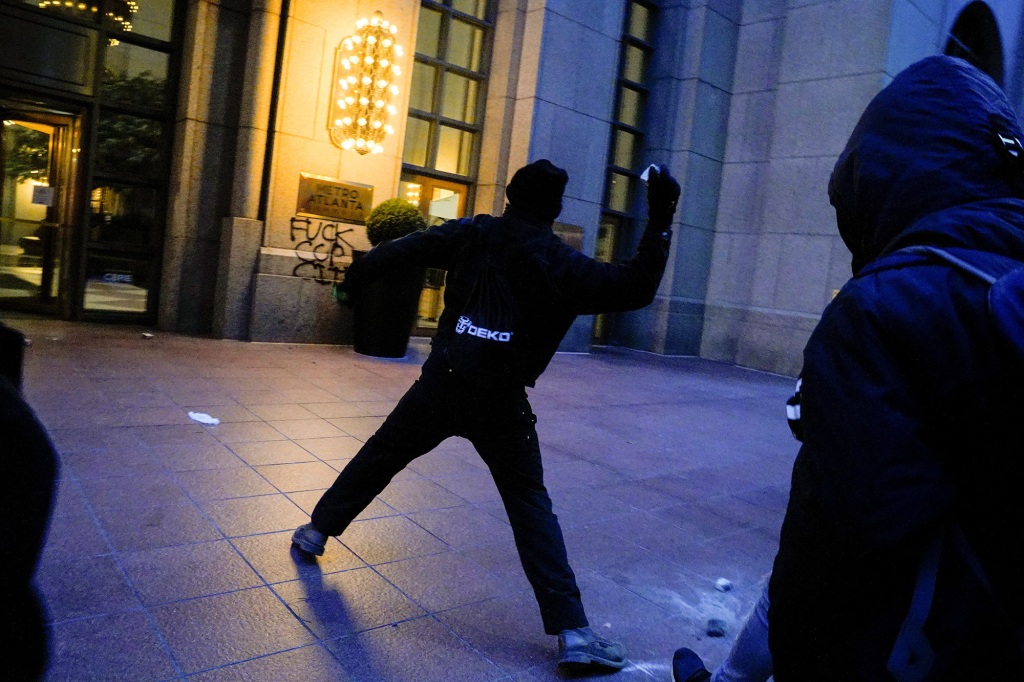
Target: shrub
<point>392,219</point>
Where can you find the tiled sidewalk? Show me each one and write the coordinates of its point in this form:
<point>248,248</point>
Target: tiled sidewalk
<point>168,555</point>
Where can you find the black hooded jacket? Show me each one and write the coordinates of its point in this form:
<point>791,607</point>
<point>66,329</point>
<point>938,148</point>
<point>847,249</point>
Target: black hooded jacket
<point>911,412</point>
<point>551,281</point>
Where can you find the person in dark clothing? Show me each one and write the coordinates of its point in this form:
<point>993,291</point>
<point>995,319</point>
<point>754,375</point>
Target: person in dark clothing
<point>552,283</point>
<point>901,554</point>
<point>30,472</point>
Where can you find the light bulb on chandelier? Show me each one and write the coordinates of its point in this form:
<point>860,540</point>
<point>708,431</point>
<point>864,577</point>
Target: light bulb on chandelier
<point>361,101</point>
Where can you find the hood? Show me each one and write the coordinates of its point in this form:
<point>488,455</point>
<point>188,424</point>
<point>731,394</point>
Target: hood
<point>939,135</point>
<point>535,191</point>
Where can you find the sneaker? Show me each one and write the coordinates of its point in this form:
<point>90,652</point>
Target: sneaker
<point>687,667</point>
<point>584,646</point>
<point>309,539</point>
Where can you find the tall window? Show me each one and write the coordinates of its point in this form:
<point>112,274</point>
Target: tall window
<point>627,136</point>
<point>447,93</point>
<point>127,191</point>
<point>442,134</point>
<point>975,38</point>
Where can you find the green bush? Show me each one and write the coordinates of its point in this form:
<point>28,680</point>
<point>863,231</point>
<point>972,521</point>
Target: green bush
<point>392,219</point>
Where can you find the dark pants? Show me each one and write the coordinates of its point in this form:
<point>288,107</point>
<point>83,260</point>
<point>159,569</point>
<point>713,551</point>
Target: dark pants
<point>26,498</point>
<point>501,427</point>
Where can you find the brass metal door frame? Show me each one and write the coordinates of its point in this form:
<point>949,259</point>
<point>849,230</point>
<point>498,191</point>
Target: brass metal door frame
<point>53,240</point>
<point>432,298</point>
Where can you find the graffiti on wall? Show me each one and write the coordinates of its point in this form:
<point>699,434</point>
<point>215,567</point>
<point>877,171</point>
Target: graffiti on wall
<point>322,249</point>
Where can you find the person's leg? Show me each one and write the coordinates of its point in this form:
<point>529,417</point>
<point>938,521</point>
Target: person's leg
<point>416,426</point>
<point>507,442</point>
<point>749,660</point>
<point>509,447</point>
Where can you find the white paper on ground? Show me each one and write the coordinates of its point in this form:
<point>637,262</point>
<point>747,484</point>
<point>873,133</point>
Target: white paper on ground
<point>204,418</point>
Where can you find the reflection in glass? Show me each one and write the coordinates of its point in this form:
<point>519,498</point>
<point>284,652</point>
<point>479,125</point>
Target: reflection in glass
<point>117,15</point>
<point>26,171</point>
<point>116,282</point>
<point>619,191</point>
<point>629,107</point>
<point>421,93</point>
<point>465,45</point>
<point>604,251</point>
<point>444,205</point>
<point>607,235</point>
<point>411,192</point>
<point>134,75</point>
<point>635,64</point>
<point>459,98</point>
<point>624,148</point>
<point>640,22</point>
<point>122,214</point>
<point>478,8</point>
<point>153,18</point>
<point>453,151</point>
<point>428,34</point>
<point>129,146</point>
<point>417,141</point>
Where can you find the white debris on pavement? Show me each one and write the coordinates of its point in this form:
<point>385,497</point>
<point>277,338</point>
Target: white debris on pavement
<point>204,418</point>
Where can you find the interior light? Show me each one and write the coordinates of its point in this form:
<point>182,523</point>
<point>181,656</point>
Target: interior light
<point>369,55</point>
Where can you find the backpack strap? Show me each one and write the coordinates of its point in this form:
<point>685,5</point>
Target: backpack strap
<point>912,655</point>
<point>953,259</point>
<point>1004,276</point>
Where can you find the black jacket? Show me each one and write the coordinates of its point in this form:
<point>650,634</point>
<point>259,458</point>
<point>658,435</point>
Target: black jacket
<point>552,282</point>
<point>911,412</point>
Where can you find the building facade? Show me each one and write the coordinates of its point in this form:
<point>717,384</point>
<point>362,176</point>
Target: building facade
<point>199,164</point>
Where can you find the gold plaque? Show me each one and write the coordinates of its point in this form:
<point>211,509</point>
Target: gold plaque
<point>329,198</point>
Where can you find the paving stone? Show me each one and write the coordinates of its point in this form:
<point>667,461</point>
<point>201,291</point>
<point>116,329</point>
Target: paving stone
<point>174,539</point>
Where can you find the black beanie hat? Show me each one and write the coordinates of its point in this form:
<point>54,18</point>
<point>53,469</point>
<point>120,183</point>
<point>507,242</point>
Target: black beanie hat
<point>536,190</point>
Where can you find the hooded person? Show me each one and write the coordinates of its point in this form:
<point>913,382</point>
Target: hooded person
<point>549,284</point>
<point>901,555</point>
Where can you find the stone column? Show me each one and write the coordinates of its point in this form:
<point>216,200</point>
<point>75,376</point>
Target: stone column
<point>242,230</point>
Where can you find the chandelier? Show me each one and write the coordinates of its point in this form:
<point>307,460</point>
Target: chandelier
<point>116,14</point>
<point>364,67</point>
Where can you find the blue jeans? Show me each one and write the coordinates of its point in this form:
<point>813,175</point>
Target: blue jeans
<point>749,660</point>
<point>501,426</point>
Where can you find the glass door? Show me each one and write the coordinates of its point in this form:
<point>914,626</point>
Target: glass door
<point>438,201</point>
<point>38,153</point>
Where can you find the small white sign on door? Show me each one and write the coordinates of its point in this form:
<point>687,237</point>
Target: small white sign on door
<point>42,195</point>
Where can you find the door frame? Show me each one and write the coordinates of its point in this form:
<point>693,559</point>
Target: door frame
<point>433,287</point>
<point>62,218</point>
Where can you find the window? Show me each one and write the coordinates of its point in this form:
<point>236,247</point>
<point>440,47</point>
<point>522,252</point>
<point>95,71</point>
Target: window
<point>622,183</point>
<point>442,131</point>
<point>975,38</point>
<point>447,94</point>
<point>128,188</point>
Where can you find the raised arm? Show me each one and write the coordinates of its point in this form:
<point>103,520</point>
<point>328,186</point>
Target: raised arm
<point>590,286</point>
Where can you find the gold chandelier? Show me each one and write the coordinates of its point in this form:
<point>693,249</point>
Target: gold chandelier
<point>364,68</point>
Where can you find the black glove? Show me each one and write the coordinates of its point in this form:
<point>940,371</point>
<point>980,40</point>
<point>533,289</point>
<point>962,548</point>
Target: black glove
<point>343,294</point>
<point>662,194</point>
<point>347,290</point>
